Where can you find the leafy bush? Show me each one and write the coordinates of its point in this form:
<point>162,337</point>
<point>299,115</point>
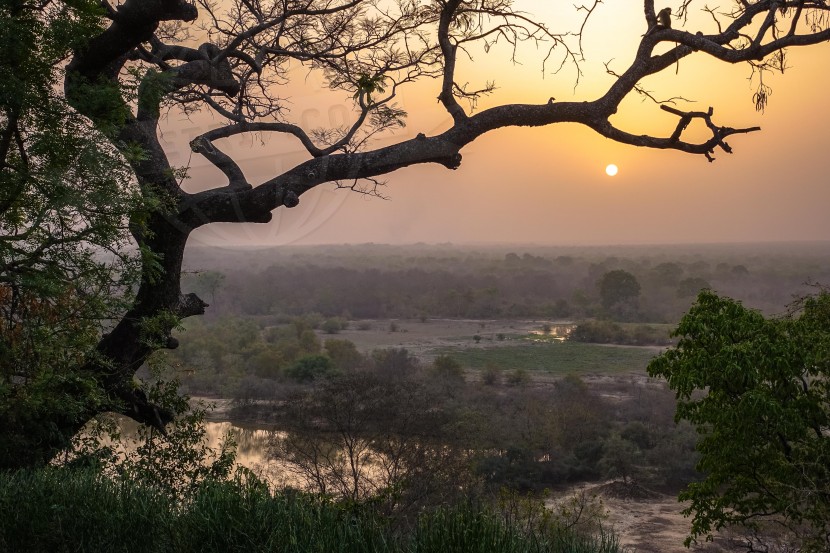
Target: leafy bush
<point>447,367</point>
<point>334,325</point>
<point>608,332</point>
<point>491,375</point>
<point>310,367</point>
<point>344,354</point>
<point>394,361</point>
<point>518,377</point>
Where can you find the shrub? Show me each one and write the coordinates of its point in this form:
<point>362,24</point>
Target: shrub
<point>491,375</point>
<point>447,367</point>
<point>310,367</point>
<point>518,377</point>
<point>334,325</point>
<point>394,360</point>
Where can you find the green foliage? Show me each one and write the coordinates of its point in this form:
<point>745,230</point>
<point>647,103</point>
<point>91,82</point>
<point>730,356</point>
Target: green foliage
<point>230,517</point>
<point>66,268</point>
<point>601,331</point>
<point>518,377</point>
<point>544,437</point>
<point>343,354</point>
<point>309,342</point>
<point>156,329</point>
<point>267,363</point>
<point>176,464</point>
<point>214,356</point>
<point>154,86</point>
<point>334,325</point>
<point>34,418</point>
<point>397,361</point>
<point>368,85</point>
<point>65,511</point>
<point>471,529</point>
<point>447,367</point>
<point>621,459</point>
<point>363,436</point>
<point>758,392</point>
<point>310,367</point>
<point>491,375</point>
<point>555,358</point>
<point>468,530</point>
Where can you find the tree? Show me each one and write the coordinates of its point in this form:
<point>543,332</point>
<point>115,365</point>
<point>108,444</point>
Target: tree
<point>619,292</point>
<point>209,282</point>
<point>65,270</point>
<point>344,354</point>
<point>758,392</point>
<point>363,436</point>
<point>690,287</point>
<point>142,62</point>
<point>447,367</point>
<point>310,367</point>
<point>620,459</point>
<point>667,274</point>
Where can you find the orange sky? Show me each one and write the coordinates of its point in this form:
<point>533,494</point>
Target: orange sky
<point>549,185</point>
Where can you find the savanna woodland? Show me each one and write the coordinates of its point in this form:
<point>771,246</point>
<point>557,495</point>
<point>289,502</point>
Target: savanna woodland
<point>95,222</point>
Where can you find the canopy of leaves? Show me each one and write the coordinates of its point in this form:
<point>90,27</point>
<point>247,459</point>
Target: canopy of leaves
<point>758,392</point>
<point>64,263</point>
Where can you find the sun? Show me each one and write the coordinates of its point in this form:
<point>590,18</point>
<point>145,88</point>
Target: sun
<point>611,170</point>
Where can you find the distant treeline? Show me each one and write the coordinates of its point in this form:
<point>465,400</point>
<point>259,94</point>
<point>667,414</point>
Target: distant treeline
<point>419,281</point>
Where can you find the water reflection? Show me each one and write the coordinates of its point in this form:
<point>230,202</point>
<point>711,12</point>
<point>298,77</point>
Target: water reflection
<point>251,447</point>
<point>558,332</point>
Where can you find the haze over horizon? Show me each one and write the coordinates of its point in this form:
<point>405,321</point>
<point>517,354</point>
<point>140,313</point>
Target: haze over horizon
<point>548,185</point>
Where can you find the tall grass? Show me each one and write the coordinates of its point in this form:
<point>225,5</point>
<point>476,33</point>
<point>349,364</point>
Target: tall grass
<point>60,510</point>
<point>69,511</point>
<point>476,530</point>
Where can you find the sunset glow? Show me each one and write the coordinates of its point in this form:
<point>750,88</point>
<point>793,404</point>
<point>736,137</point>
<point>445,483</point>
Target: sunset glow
<point>777,174</point>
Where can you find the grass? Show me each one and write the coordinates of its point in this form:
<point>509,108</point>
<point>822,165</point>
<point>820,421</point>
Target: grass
<point>62,511</point>
<point>556,358</point>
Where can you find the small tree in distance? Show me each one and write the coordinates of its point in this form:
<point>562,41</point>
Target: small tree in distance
<point>619,293</point>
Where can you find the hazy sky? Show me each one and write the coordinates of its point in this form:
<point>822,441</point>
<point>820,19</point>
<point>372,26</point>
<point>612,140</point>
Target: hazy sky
<point>549,185</point>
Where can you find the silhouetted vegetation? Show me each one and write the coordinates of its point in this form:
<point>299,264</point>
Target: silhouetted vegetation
<point>435,433</point>
<point>63,510</point>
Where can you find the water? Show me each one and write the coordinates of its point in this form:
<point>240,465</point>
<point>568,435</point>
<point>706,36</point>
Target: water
<point>555,332</point>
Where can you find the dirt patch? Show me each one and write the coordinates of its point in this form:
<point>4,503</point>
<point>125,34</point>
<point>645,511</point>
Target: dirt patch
<point>623,490</point>
<point>649,522</point>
